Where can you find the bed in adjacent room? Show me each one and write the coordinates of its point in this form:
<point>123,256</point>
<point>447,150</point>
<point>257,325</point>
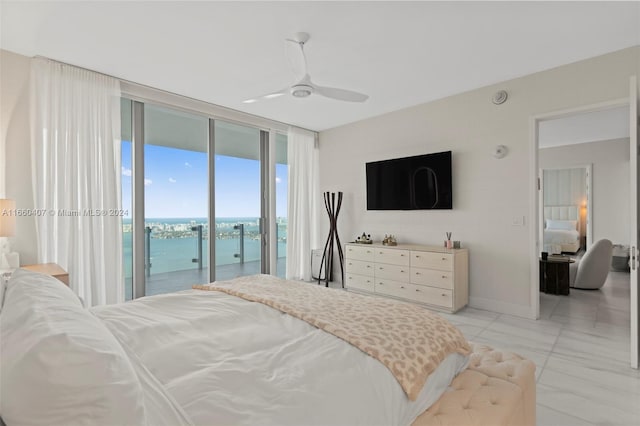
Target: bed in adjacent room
<point>561,229</point>
<point>254,350</point>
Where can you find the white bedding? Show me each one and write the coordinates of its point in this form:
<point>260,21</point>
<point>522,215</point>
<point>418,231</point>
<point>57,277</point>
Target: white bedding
<point>561,236</point>
<point>224,360</point>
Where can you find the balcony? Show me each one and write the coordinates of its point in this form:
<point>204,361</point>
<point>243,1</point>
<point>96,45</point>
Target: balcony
<point>169,282</point>
<point>176,253</point>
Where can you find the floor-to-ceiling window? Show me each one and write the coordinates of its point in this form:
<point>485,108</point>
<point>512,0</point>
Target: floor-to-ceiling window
<point>238,200</point>
<point>193,173</point>
<point>281,193</point>
<point>126,187</point>
<point>175,199</point>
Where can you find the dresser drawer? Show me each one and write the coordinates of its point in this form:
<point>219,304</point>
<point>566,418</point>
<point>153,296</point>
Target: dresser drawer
<point>433,296</point>
<point>359,252</point>
<point>432,277</point>
<point>416,293</point>
<point>392,272</point>
<point>359,282</point>
<point>359,267</point>
<point>392,256</point>
<point>441,261</point>
<point>392,288</point>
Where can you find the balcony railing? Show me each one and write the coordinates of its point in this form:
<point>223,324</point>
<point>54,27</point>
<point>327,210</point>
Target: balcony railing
<point>167,265</point>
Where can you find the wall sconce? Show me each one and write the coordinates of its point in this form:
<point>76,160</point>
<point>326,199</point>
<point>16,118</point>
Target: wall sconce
<point>583,209</point>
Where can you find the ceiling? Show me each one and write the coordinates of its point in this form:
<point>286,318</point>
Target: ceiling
<point>587,127</point>
<point>399,53</point>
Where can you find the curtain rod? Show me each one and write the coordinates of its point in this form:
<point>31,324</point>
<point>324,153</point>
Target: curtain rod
<point>166,92</point>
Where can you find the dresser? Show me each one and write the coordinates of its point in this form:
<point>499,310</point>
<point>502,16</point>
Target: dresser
<point>433,276</point>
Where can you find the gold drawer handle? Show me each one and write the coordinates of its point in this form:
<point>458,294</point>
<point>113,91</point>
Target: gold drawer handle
<point>444,258</point>
<point>368,266</point>
<point>444,276</point>
<point>417,289</point>
<point>381,268</point>
<point>444,294</point>
<point>368,281</point>
<point>417,255</point>
<point>401,270</point>
<point>417,273</point>
<point>401,254</point>
<point>401,286</point>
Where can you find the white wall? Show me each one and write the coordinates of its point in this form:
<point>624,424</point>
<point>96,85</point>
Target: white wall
<point>488,193</point>
<point>16,172</point>
<point>610,197</point>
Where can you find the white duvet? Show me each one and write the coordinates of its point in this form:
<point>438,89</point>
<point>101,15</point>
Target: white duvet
<point>221,360</point>
<point>560,236</point>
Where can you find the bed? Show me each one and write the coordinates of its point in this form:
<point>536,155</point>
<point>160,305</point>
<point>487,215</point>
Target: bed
<point>561,229</point>
<point>228,354</point>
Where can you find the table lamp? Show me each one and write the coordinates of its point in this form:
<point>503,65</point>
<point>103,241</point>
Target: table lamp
<point>8,260</point>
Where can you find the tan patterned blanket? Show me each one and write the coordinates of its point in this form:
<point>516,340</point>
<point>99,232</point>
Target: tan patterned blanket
<point>409,340</point>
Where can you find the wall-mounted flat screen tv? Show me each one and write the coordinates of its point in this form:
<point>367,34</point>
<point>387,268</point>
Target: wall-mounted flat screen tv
<point>422,182</point>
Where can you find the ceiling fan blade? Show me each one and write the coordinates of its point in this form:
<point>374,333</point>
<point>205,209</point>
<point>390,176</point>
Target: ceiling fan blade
<point>340,94</point>
<point>297,58</point>
<point>267,96</point>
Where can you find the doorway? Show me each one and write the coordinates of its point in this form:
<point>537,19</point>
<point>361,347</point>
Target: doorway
<point>608,220</point>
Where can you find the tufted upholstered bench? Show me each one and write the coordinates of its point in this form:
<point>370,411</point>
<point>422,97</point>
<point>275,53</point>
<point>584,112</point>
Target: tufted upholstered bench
<point>497,389</point>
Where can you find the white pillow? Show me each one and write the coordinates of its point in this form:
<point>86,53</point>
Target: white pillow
<point>567,225</point>
<point>59,365</point>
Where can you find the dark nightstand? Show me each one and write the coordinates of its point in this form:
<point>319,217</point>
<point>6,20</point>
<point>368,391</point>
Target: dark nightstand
<point>554,275</point>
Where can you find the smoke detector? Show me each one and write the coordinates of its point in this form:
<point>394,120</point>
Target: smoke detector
<point>500,151</point>
<point>500,97</point>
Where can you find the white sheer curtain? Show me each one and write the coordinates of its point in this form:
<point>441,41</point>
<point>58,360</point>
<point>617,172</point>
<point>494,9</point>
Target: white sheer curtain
<point>75,150</point>
<point>303,198</point>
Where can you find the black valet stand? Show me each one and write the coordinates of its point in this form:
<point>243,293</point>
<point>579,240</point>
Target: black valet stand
<point>327,257</point>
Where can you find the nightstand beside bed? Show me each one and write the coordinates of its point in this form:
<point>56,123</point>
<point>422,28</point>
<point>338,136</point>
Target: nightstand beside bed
<point>52,269</point>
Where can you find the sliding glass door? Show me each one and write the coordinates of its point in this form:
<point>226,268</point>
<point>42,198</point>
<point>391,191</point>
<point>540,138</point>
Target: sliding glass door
<point>238,201</point>
<point>126,202</point>
<point>185,174</point>
<point>176,192</point>
<point>281,183</point>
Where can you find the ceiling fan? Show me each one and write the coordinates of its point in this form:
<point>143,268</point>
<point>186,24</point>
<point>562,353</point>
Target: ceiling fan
<point>304,86</point>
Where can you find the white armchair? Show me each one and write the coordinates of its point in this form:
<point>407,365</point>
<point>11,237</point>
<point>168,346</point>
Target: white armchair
<point>590,273</point>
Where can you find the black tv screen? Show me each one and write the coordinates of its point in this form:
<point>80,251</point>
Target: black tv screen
<point>422,182</point>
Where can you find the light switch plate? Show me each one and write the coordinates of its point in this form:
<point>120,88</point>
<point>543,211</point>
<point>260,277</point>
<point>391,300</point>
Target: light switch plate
<point>517,221</point>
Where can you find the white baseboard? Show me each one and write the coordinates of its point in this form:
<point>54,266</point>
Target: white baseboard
<point>501,307</point>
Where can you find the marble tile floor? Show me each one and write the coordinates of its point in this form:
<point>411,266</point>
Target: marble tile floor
<point>580,346</point>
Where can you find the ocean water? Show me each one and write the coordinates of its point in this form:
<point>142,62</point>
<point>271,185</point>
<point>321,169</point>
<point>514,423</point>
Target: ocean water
<point>176,254</point>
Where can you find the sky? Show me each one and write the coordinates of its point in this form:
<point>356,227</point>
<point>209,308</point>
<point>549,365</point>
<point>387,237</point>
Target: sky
<point>176,184</point>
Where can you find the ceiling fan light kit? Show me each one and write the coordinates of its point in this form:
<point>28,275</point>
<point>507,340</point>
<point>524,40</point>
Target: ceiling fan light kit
<point>301,90</point>
<point>304,87</point>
